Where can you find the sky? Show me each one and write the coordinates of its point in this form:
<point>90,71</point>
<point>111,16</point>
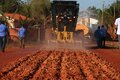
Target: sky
<point>84,4</point>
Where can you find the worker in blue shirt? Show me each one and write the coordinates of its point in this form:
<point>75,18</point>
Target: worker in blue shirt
<point>104,35</point>
<point>98,37</point>
<point>4,32</point>
<point>21,34</point>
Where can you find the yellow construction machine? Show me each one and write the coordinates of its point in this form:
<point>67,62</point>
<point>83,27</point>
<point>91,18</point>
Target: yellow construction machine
<point>64,19</point>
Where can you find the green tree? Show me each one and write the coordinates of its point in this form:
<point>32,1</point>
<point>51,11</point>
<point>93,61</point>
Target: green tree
<point>96,13</point>
<point>110,14</point>
<point>16,6</point>
<point>40,10</point>
<point>10,5</point>
<point>93,10</point>
<point>25,9</point>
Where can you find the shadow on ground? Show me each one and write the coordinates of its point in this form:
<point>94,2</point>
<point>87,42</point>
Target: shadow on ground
<point>106,47</point>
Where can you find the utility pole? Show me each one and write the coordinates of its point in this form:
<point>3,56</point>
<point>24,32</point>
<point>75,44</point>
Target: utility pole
<point>102,12</point>
<point>115,8</point>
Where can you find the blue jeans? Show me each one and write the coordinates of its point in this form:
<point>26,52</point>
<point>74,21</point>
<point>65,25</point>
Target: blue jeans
<point>2,43</point>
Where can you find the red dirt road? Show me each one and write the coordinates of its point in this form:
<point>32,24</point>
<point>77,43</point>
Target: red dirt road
<point>110,55</point>
<point>64,64</point>
<point>11,54</point>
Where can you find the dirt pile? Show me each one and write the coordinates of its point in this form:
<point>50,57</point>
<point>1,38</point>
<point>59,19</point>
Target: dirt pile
<point>59,64</point>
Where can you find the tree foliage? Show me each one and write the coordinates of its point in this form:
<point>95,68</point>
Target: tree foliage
<point>10,5</point>
<point>109,15</point>
<point>40,9</point>
<point>25,9</point>
<point>15,6</point>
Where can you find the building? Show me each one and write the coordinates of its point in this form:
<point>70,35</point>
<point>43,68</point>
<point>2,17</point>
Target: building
<point>87,23</point>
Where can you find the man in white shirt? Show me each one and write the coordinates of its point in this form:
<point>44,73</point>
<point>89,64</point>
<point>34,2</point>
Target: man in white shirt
<point>117,24</point>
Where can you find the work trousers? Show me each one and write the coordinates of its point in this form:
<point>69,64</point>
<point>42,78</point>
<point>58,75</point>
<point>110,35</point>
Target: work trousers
<point>2,43</point>
<point>22,42</point>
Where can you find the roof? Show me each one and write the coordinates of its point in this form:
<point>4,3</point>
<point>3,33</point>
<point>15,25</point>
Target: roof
<point>15,16</point>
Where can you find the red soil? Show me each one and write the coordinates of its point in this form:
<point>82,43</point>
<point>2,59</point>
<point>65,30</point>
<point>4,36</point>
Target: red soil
<point>12,54</point>
<point>58,63</point>
<point>110,55</point>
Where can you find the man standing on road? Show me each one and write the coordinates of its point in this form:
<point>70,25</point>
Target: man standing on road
<point>117,24</point>
<point>3,33</point>
<point>103,35</point>
<point>98,37</point>
<point>21,34</point>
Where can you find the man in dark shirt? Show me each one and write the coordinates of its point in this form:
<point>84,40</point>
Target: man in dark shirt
<point>97,35</point>
<point>104,34</point>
